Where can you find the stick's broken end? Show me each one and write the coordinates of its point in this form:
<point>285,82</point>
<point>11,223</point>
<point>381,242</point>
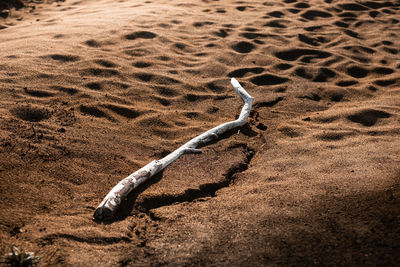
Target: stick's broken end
<point>103,214</point>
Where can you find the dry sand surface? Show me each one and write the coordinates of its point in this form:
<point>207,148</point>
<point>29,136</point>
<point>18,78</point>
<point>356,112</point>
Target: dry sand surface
<point>93,90</point>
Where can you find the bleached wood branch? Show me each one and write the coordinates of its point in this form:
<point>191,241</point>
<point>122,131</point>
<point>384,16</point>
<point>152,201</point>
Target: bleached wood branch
<point>109,205</point>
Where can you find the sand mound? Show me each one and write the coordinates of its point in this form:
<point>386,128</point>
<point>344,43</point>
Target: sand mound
<point>93,90</point>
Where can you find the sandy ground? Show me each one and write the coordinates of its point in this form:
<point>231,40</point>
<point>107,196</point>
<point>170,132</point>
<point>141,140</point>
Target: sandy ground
<point>93,90</point>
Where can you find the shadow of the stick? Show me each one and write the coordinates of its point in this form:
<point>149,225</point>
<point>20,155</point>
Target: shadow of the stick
<point>129,204</point>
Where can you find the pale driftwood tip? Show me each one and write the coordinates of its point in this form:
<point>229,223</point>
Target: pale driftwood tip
<point>235,83</point>
<point>103,214</point>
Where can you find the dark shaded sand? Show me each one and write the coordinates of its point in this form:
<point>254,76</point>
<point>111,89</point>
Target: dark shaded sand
<point>93,90</point>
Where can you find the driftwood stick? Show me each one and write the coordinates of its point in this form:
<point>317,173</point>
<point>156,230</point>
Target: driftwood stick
<point>109,205</point>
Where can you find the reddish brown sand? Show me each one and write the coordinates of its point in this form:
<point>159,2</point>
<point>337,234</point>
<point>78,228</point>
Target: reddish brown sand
<point>93,90</point>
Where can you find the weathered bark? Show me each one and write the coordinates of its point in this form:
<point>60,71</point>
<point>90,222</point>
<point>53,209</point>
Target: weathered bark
<point>109,205</point>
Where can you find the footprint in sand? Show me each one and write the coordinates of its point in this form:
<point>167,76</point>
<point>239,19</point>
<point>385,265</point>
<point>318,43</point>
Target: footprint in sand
<point>162,100</point>
<point>352,34</point>
<point>302,5</point>
<point>336,95</point>
<point>99,72</point>
<point>333,136</point>
<point>390,50</point>
<point>385,83</point>
<point>275,14</point>
<point>183,47</point>
<point>276,24</point>
<point>30,113</point>
<point>38,93</point>
<point>294,10</point>
<point>315,14</point>
<point>243,47</point>
<point>202,23</point>
<point>126,112</point>
<point>346,83</point>
<point>166,91</point>
<point>341,24</point>
<point>314,41</point>
<point>58,36</point>
<point>352,7</point>
<point>294,54</point>
<point>158,79</point>
<point>140,35</point>
<point>105,63</point>
<point>92,111</point>
<point>137,52</point>
<point>357,72</point>
<point>303,73</point>
<point>268,79</point>
<point>252,35</point>
<point>196,97</point>
<point>368,117</point>
<point>141,64</point>
<point>68,90</point>
<point>383,71</point>
<point>269,104</point>
<point>243,71</point>
<point>64,58</point>
<point>221,33</point>
<point>94,86</point>
<point>92,43</point>
<point>283,66</point>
